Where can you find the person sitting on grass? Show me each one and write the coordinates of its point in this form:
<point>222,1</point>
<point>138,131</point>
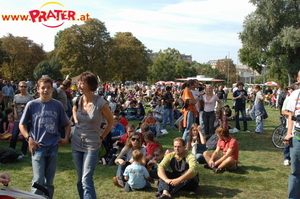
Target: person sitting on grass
<point>184,173</point>
<point>197,142</point>
<point>136,174</point>
<point>151,144</point>
<point>230,150</point>
<point>154,124</point>
<point>124,159</point>
<point>152,164</point>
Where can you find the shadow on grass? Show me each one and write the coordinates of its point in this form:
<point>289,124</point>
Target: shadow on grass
<point>246,169</point>
<point>209,191</point>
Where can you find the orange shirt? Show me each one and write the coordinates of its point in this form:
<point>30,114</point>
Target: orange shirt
<point>150,121</point>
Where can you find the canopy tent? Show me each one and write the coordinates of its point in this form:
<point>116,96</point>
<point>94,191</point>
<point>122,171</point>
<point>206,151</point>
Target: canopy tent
<point>271,83</point>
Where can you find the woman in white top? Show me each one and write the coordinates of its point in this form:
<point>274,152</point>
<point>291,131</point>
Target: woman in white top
<point>209,113</point>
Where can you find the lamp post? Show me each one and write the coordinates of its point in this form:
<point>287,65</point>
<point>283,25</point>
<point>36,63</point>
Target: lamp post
<point>227,70</point>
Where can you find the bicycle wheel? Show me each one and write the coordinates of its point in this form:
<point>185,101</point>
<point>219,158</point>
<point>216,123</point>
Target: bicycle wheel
<point>278,135</point>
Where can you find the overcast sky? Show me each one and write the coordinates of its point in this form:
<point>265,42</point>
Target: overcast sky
<point>205,29</point>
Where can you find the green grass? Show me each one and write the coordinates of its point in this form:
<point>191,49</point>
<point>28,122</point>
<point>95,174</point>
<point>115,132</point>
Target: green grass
<point>261,173</point>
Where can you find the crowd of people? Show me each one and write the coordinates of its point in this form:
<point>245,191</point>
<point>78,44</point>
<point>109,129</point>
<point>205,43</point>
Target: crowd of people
<point>101,115</point>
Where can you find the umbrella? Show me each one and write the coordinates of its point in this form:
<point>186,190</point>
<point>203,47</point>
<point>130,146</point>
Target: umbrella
<point>271,83</point>
<point>170,82</point>
<point>160,82</point>
<point>179,83</point>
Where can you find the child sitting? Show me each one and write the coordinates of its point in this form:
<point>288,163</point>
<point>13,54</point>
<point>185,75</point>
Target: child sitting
<point>8,133</point>
<point>136,174</point>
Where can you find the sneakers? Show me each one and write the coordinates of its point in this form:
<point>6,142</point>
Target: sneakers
<point>247,131</point>
<point>22,156</point>
<point>286,163</point>
<point>118,182</point>
<point>234,130</point>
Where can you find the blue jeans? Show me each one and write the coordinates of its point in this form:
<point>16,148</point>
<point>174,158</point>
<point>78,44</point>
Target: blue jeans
<point>44,168</point>
<point>168,113</point>
<point>259,125</point>
<point>286,152</point>
<point>190,120</point>
<point>294,177</point>
<point>85,164</point>
<point>237,123</point>
<point>209,120</point>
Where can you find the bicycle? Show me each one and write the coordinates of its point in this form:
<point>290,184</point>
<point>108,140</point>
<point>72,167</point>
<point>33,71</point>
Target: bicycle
<point>279,133</point>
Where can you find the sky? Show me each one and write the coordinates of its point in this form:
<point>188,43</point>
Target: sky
<point>205,29</point>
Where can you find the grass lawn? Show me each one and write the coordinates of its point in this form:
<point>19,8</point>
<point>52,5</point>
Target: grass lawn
<point>261,173</point>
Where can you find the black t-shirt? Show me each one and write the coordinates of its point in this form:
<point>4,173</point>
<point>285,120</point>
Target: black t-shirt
<point>168,105</point>
<point>240,102</point>
<point>220,94</point>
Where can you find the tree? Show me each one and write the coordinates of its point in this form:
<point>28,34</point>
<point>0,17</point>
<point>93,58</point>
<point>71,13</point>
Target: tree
<point>128,58</point>
<point>228,69</point>
<point>84,47</point>
<point>207,70</point>
<point>168,65</point>
<point>21,57</point>
<point>271,37</point>
<point>50,67</point>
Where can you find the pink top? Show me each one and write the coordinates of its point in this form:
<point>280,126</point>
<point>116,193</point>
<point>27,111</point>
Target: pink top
<point>11,127</point>
<point>209,106</point>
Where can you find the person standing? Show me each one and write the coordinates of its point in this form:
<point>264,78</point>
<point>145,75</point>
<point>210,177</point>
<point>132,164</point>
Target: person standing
<point>240,96</point>
<point>190,112</point>
<point>8,94</point>
<point>168,108</point>
<point>293,139</point>
<point>209,115</point>
<point>87,136</point>
<point>20,101</point>
<point>45,115</point>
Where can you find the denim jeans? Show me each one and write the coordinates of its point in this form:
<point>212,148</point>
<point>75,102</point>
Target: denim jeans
<point>14,138</point>
<point>189,185</point>
<point>121,169</point>
<point>237,123</point>
<point>209,120</point>
<point>190,120</point>
<point>85,164</point>
<point>168,114</point>
<point>259,125</point>
<point>286,152</point>
<point>294,177</point>
<point>44,168</point>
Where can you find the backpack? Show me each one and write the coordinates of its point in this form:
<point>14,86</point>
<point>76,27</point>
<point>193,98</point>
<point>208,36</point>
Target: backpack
<point>211,143</point>
<point>8,155</point>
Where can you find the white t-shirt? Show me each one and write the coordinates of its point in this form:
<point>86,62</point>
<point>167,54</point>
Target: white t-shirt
<point>294,106</point>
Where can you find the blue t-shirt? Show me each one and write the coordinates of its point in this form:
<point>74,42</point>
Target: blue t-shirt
<point>45,118</point>
<point>136,174</point>
<point>118,131</point>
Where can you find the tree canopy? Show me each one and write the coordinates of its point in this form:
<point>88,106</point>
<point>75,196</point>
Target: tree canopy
<point>19,57</point>
<point>84,47</point>
<point>271,37</point>
<point>128,59</point>
<point>168,65</point>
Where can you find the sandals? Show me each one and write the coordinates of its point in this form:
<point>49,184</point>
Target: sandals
<point>158,195</point>
<point>164,196</point>
<point>218,170</point>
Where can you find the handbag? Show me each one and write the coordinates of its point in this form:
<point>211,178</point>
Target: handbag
<point>102,151</point>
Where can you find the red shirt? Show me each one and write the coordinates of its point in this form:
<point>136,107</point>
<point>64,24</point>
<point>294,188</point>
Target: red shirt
<point>230,143</point>
<point>124,122</point>
<point>151,147</point>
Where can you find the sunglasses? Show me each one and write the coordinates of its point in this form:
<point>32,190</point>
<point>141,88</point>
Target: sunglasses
<point>135,139</point>
<point>23,86</point>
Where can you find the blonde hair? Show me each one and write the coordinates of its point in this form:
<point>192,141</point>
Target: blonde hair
<point>137,155</point>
